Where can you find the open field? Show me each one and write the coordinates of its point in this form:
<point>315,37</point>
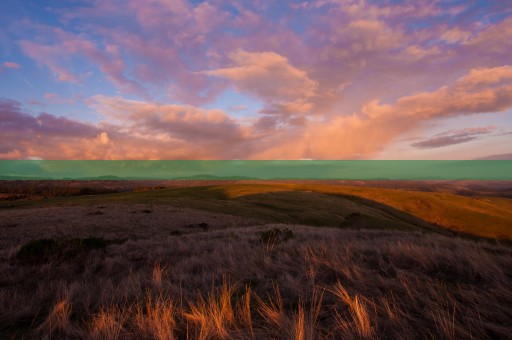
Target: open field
<point>309,204</point>
<point>256,260</point>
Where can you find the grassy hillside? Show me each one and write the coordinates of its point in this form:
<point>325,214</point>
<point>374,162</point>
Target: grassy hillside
<point>256,261</point>
<point>480,216</point>
<point>307,283</point>
<point>328,205</point>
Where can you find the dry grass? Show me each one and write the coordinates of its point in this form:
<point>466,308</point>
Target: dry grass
<point>213,317</point>
<point>359,322</point>
<point>322,283</point>
<point>327,205</point>
<point>157,319</point>
<point>58,320</point>
<point>107,324</point>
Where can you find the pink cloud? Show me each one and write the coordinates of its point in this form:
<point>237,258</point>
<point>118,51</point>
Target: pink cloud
<point>271,77</point>
<point>182,122</point>
<point>366,134</point>
<point>166,43</point>
<point>238,108</point>
<point>35,102</point>
<point>69,46</point>
<point>456,35</point>
<point>51,58</point>
<point>464,97</point>
<point>486,76</point>
<point>344,83</point>
<point>494,38</point>
<point>16,122</point>
<point>140,129</point>
<point>24,136</point>
<point>358,8</point>
<point>50,137</point>
<point>11,64</point>
<point>55,98</point>
<point>504,156</point>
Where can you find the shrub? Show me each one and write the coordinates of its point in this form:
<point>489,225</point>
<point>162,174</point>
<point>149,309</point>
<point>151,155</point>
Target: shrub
<point>203,226</point>
<point>45,250</point>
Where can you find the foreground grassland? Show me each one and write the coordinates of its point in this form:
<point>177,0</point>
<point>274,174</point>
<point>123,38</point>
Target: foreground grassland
<point>257,282</point>
<point>257,261</point>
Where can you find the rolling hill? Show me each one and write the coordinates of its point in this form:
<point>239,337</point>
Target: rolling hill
<point>323,205</point>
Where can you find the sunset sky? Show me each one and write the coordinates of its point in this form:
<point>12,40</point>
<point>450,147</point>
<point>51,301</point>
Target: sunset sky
<point>260,79</point>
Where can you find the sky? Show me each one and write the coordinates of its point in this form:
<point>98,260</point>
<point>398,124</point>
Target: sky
<point>260,79</point>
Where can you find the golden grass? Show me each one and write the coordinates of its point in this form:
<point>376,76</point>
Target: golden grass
<point>484,216</point>
<point>360,317</point>
<point>107,324</point>
<point>327,205</point>
<point>57,321</point>
<point>157,318</point>
<point>322,283</point>
<point>158,272</point>
<point>214,316</point>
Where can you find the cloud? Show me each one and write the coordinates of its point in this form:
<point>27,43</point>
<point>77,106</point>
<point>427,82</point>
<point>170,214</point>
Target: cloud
<point>176,121</point>
<point>103,138</point>
<point>464,97</point>
<point>350,50</point>
<point>35,102</point>
<point>51,57</point>
<point>55,98</point>
<point>152,130</point>
<point>271,77</point>
<point>336,78</point>
<point>495,38</point>
<point>454,137</point>
<point>358,8</point>
<point>23,135</point>
<point>47,136</point>
<point>238,108</point>
<point>10,64</point>
<point>456,35</point>
<point>369,36</point>
<point>486,76</point>
<point>211,133</point>
<point>58,57</point>
<point>365,134</point>
<point>503,156</point>
<point>15,122</point>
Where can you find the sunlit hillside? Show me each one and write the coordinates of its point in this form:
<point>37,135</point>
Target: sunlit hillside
<point>320,205</point>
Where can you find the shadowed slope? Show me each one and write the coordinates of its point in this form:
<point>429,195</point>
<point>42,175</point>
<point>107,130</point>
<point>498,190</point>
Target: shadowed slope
<point>329,205</point>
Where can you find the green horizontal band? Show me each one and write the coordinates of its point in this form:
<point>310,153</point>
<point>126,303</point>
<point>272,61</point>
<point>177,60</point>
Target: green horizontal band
<point>258,169</point>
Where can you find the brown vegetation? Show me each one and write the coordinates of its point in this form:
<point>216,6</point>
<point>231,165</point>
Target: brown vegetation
<point>316,204</point>
<point>231,283</point>
<point>213,262</point>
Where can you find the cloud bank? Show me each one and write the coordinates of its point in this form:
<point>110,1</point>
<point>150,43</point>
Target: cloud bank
<point>327,79</point>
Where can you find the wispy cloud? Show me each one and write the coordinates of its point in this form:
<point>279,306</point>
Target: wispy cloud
<point>10,64</point>
<point>454,137</point>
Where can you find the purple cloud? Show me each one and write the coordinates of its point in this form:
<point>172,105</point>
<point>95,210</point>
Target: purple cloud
<point>334,79</point>
<point>454,137</point>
